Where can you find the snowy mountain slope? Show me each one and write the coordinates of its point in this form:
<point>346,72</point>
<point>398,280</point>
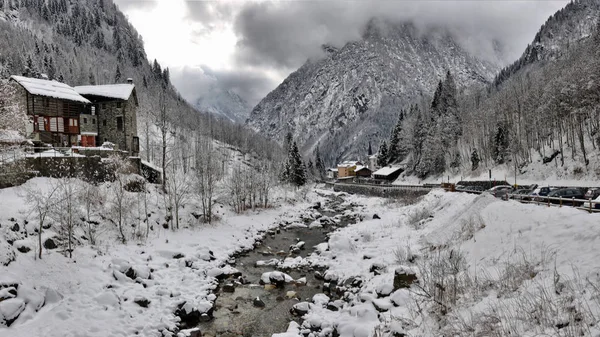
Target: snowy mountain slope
<point>354,94</point>
<point>223,103</point>
<point>575,21</point>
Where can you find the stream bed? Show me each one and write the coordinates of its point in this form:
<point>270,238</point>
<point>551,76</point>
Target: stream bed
<point>247,307</point>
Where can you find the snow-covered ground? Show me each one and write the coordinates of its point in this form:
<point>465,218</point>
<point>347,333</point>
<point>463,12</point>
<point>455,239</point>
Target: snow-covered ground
<point>485,267</point>
<point>103,289</point>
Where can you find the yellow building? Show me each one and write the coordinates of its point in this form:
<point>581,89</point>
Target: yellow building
<point>347,169</point>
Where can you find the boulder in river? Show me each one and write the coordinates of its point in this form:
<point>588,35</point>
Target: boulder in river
<point>257,302</point>
<point>228,288</point>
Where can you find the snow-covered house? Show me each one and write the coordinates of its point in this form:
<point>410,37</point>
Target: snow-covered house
<point>53,109</point>
<point>372,162</point>
<point>332,173</point>
<point>116,107</point>
<point>363,171</point>
<point>388,173</point>
<point>347,169</point>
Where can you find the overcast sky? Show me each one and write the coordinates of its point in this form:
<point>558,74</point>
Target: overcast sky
<point>251,46</point>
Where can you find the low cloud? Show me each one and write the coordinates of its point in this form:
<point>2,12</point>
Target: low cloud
<point>284,34</point>
<point>126,5</point>
<point>194,82</point>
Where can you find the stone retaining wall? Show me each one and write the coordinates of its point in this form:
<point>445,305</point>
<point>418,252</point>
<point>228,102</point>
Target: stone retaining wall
<point>381,191</point>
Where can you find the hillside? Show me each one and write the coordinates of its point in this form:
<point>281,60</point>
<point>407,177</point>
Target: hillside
<point>576,21</point>
<point>542,118</point>
<point>353,95</point>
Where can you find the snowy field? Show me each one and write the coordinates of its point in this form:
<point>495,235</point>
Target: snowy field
<point>485,267</point>
<point>115,289</point>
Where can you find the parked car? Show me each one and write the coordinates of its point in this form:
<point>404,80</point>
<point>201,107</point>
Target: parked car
<point>474,189</point>
<point>540,193</point>
<point>592,193</point>
<point>567,194</point>
<point>522,194</point>
<point>595,205</point>
<point>501,191</point>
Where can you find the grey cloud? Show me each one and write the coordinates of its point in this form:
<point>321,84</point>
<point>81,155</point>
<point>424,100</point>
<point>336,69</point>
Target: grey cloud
<point>194,82</point>
<point>285,34</point>
<point>127,5</point>
<point>211,14</point>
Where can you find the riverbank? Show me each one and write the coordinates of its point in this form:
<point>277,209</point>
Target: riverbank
<point>143,287</point>
<point>460,264</point>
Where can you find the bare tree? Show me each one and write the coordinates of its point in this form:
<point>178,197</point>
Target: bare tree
<point>90,197</point>
<point>179,189</point>
<point>41,202</point>
<point>66,210</point>
<point>162,120</point>
<point>12,112</point>
<point>121,202</point>
<point>208,173</point>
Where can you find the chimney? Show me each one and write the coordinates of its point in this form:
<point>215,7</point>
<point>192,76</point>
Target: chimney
<point>130,80</point>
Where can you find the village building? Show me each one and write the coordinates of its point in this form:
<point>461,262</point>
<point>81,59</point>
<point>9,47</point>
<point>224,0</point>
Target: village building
<point>332,173</point>
<point>372,162</point>
<point>87,116</point>
<point>116,107</point>
<point>388,173</point>
<point>363,171</point>
<point>347,169</point>
<point>53,109</point>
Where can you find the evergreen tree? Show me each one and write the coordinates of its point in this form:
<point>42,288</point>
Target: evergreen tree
<point>382,155</point>
<point>501,143</point>
<point>370,150</point>
<point>394,151</point>
<point>319,165</point>
<point>474,160</point>
<point>118,74</point>
<point>298,170</point>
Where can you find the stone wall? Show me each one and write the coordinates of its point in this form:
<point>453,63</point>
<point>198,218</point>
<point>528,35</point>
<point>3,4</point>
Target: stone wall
<point>380,191</point>
<point>108,112</point>
<point>88,124</point>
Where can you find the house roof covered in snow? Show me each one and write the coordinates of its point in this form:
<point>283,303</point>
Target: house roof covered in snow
<point>349,164</point>
<point>118,91</point>
<point>48,88</point>
<point>360,167</point>
<point>386,171</point>
<point>332,169</point>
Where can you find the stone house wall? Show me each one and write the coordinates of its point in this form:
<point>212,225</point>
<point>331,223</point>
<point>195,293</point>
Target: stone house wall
<point>114,114</point>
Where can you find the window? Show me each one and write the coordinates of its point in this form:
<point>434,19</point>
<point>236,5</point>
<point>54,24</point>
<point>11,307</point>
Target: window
<point>94,121</point>
<point>118,104</point>
<point>84,120</point>
<point>93,110</point>
<point>120,123</point>
<point>104,122</point>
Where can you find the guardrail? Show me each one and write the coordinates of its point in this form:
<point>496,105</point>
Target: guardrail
<point>587,205</point>
<point>401,187</point>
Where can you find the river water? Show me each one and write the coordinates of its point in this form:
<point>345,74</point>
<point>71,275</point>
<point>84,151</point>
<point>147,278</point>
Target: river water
<point>235,312</point>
